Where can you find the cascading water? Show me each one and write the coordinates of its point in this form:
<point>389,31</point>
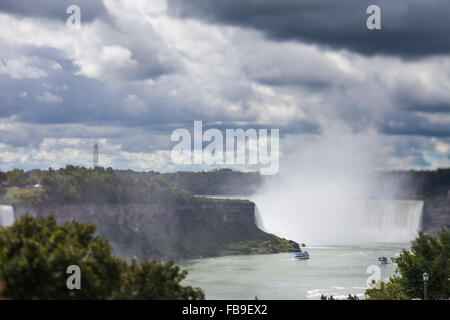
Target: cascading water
<point>395,221</point>
<point>336,220</point>
<point>339,222</point>
<point>6,216</point>
<point>258,219</point>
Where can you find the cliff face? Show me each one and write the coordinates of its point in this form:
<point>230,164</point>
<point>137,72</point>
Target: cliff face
<point>436,214</point>
<point>170,231</point>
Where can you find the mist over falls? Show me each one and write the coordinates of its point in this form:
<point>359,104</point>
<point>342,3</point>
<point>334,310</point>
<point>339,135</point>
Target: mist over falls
<point>328,195</point>
<point>363,222</point>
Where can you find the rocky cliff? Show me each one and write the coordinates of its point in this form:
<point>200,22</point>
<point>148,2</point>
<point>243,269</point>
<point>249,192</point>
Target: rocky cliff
<point>171,231</point>
<point>436,214</point>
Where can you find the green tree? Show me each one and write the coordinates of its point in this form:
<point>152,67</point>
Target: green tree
<point>17,178</point>
<point>35,254</point>
<point>153,281</point>
<point>429,253</point>
<point>390,290</point>
<point>3,176</point>
<point>80,185</point>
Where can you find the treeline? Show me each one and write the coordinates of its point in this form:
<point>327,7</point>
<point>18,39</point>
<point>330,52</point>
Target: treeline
<point>224,181</point>
<point>432,183</point>
<point>99,185</point>
<point>410,184</point>
<point>20,178</point>
<point>76,184</point>
<point>215,182</point>
<point>72,184</point>
<point>426,184</point>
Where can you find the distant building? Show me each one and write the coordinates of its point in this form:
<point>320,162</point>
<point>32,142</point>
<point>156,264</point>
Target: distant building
<point>34,186</point>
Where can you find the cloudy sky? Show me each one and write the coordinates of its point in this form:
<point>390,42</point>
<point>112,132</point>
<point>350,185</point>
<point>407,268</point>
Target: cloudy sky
<point>137,70</point>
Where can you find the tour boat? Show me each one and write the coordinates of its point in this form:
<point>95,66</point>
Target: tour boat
<point>302,254</point>
<point>382,260</point>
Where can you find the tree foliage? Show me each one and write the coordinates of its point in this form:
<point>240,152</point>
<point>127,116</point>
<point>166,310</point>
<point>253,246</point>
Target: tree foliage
<point>23,196</point>
<point>424,184</point>
<point>80,185</point>
<point>18,178</point>
<point>223,181</point>
<point>151,280</point>
<point>35,254</point>
<point>390,290</point>
<point>3,177</point>
<point>429,253</point>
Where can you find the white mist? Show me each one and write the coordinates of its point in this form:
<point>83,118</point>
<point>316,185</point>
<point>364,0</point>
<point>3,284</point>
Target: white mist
<point>321,196</point>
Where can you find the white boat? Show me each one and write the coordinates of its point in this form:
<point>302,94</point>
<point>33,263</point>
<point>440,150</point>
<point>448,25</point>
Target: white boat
<point>302,254</point>
<point>382,260</point>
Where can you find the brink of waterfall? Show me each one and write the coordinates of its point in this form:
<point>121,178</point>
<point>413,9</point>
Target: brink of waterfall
<point>341,222</point>
<point>6,216</point>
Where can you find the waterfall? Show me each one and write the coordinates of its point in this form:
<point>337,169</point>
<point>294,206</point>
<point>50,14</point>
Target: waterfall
<point>339,221</point>
<point>258,219</point>
<point>336,221</point>
<point>394,221</point>
<point>6,216</point>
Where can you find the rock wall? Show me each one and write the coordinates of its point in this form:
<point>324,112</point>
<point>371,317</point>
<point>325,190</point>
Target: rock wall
<point>436,214</point>
<point>163,231</point>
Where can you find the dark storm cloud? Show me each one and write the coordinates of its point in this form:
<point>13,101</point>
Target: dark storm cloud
<point>54,9</point>
<point>428,108</point>
<point>296,127</point>
<point>411,100</point>
<point>409,124</point>
<point>409,27</point>
<point>61,97</point>
<point>73,99</point>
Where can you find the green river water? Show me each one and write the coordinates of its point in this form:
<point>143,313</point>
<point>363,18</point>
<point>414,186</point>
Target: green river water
<point>331,270</point>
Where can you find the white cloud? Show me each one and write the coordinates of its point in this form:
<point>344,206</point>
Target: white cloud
<point>110,63</point>
<point>21,68</point>
<point>154,70</point>
<point>55,66</point>
<point>441,146</point>
<point>49,98</point>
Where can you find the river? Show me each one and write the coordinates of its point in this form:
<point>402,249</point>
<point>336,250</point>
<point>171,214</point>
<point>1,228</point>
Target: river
<point>331,270</point>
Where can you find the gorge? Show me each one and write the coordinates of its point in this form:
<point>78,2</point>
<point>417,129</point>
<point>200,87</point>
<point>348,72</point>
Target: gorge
<point>212,227</point>
<point>196,229</point>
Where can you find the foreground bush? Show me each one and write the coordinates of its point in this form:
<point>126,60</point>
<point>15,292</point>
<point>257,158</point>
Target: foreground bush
<point>35,253</point>
<point>151,280</point>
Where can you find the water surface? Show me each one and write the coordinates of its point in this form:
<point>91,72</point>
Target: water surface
<point>334,271</point>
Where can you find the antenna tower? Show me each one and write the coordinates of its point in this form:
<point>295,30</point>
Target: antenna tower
<point>95,164</point>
